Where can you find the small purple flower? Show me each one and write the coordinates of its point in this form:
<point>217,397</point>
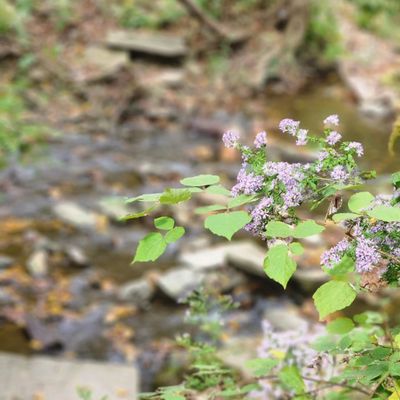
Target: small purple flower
<point>230,139</point>
<point>332,120</point>
<point>333,256</point>
<point>247,183</point>
<point>367,255</point>
<point>260,140</point>
<point>290,126</point>
<point>357,147</point>
<point>339,173</point>
<point>333,138</point>
<point>302,137</point>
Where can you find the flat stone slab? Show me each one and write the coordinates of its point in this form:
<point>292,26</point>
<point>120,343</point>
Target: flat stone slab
<point>152,44</point>
<point>29,378</point>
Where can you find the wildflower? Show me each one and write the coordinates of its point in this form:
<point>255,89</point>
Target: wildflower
<point>247,183</point>
<point>339,173</point>
<point>260,140</point>
<point>367,255</point>
<point>302,137</point>
<point>357,147</point>
<point>290,126</point>
<point>332,120</point>
<point>333,256</point>
<point>230,139</point>
<point>333,138</point>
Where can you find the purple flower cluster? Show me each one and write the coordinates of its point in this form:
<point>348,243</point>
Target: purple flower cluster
<point>356,147</point>
<point>290,126</point>
<point>260,215</point>
<point>260,140</point>
<point>367,255</point>
<point>333,138</point>
<point>332,120</point>
<point>247,183</point>
<point>230,139</point>
<point>339,173</point>
<point>294,346</point>
<point>302,138</point>
<point>332,257</point>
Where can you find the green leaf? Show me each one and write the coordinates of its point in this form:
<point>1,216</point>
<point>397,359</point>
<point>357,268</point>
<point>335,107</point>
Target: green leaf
<point>139,214</point>
<point>227,224</point>
<point>278,265</point>
<point>200,180</point>
<point>346,265</point>
<point>307,228</point>
<point>240,200</point>
<point>218,189</point>
<point>207,209</point>
<point>339,217</point>
<point>175,196</point>
<point>291,378</point>
<point>296,248</point>
<point>174,234</point>
<point>150,247</point>
<point>396,180</point>
<point>164,223</point>
<point>360,201</point>
<point>385,213</point>
<point>261,366</point>
<point>278,229</point>
<point>145,197</point>
<point>333,296</point>
<point>340,326</point>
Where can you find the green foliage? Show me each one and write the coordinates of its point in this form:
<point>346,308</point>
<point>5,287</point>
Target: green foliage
<point>261,366</point>
<point>385,213</point>
<point>227,224</point>
<point>304,229</point>
<point>333,296</point>
<point>201,180</point>
<point>360,201</point>
<point>278,265</point>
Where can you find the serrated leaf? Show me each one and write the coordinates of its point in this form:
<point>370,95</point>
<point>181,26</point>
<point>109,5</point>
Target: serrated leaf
<point>340,326</point>
<point>278,229</point>
<point>296,248</point>
<point>360,201</point>
<point>307,228</point>
<point>240,200</point>
<point>207,209</point>
<point>151,247</point>
<point>164,223</point>
<point>174,234</point>
<point>278,265</point>
<point>227,224</point>
<point>261,366</point>
<point>333,296</point>
<point>339,217</point>
<point>175,196</point>
<point>218,189</point>
<point>385,213</point>
<point>200,180</point>
<point>145,197</point>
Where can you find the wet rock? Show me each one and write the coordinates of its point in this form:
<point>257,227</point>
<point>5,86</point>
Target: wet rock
<point>38,264</point>
<point>145,43</point>
<point>76,215</point>
<point>248,257</point>
<point>5,262</point>
<point>115,208</point>
<point>205,259</point>
<point>41,377</point>
<point>310,279</point>
<point>98,63</point>
<point>138,292</point>
<point>224,279</point>
<point>179,282</point>
<point>283,315</point>
<point>76,256</point>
